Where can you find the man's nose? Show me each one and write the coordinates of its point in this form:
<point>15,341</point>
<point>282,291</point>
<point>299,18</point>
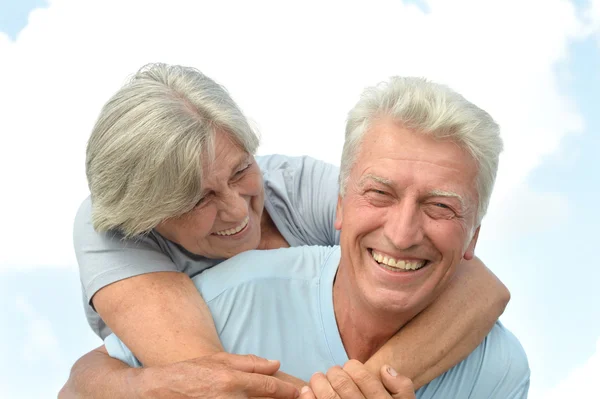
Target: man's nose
<point>233,207</point>
<point>404,225</point>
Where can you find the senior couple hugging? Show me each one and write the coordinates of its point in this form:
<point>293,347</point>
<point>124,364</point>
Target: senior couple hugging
<point>199,262</point>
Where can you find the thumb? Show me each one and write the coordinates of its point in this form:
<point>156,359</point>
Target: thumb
<point>306,393</point>
<point>399,386</point>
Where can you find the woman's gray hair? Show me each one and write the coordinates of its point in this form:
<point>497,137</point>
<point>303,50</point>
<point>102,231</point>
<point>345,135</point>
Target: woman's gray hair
<point>428,108</point>
<point>143,160</point>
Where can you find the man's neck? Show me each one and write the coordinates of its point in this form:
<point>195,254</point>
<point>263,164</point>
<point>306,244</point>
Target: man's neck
<point>363,329</point>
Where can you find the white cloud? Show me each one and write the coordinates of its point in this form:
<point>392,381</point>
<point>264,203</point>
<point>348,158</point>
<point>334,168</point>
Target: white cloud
<point>296,69</point>
<point>593,14</point>
<point>40,344</point>
<point>582,382</point>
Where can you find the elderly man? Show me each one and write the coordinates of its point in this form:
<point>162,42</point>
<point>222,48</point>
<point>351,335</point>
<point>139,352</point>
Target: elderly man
<point>417,172</point>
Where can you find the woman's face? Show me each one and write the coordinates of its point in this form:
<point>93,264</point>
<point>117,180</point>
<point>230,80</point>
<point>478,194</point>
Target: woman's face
<point>226,221</point>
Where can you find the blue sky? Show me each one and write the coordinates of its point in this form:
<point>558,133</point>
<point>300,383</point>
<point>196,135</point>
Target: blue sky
<point>61,64</point>
<point>14,13</point>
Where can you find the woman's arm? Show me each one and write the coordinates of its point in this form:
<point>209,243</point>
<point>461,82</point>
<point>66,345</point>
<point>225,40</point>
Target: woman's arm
<point>163,317</point>
<point>138,291</point>
<point>160,316</point>
<point>98,376</point>
<point>449,329</point>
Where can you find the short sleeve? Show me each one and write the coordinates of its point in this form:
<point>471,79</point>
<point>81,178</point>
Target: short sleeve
<point>504,370</point>
<point>301,197</point>
<point>105,258</point>
<point>497,368</point>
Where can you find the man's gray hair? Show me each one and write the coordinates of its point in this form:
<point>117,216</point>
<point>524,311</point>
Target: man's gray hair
<point>143,160</point>
<point>432,109</point>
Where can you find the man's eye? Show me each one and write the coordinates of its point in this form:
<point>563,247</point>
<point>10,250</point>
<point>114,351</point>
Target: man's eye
<point>438,210</point>
<point>378,192</point>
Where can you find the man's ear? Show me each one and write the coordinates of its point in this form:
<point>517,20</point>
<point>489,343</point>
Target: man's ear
<point>338,214</point>
<point>470,252</point>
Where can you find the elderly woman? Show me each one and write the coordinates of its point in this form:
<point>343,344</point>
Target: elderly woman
<point>176,189</point>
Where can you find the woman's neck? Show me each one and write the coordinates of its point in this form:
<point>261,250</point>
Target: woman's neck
<point>270,237</point>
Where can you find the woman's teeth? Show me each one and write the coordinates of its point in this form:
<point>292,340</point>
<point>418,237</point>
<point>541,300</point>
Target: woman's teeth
<point>237,229</point>
<point>397,264</point>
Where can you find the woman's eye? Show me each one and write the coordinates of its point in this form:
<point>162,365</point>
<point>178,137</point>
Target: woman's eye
<point>203,201</point>
<point>241,171</point>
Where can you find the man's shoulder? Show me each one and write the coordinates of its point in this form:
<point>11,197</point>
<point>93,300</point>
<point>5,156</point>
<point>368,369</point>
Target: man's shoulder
<point>502,352</point>
<point>504,370</point>
<point>497,368</point>
<point>502,343</point>
<point>296,263</point>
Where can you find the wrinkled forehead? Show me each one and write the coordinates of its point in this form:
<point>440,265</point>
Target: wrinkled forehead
<point>397,156</point>
<point>221,161</point>
<point>389,138</point>
<point>222,150</point>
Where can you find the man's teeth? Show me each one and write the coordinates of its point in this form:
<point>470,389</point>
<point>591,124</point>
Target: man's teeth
<point>392,263</point>
<point>234,230</point>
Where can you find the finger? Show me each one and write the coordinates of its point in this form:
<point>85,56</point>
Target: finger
<point>248,363</point>
<point>343,384</point>
<point>369,385</point>
<point>321,387</point>
<point>307,393</point>
<point>399,386</point>
<point>264,385</point>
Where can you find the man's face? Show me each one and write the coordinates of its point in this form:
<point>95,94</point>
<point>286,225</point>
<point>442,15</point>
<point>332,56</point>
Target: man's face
<point>407,218</point>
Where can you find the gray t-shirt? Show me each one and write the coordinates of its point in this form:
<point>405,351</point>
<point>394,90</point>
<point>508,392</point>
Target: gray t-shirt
<point>300,196</point>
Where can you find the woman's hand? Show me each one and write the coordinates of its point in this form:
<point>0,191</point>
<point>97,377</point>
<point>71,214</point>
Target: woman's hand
<point>98,376</point>
<point>216,376</point>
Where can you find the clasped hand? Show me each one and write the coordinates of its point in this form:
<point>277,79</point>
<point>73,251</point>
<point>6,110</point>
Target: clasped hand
<point>354,381</point>
<point>248,376</point>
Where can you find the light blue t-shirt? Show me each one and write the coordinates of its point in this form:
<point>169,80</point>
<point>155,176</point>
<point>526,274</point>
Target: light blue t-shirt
<point>300,196</point>
<point>278,304</point>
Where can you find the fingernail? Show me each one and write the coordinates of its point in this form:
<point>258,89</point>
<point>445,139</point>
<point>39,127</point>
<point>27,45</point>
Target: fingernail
<point>391,371</point>
<point>304,389</point>
<point>271,361</point>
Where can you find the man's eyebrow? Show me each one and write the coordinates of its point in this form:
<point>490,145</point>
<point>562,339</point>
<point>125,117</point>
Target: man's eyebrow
<point>449,194</point>
<point>432,193</point>
<point>378,179</point>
